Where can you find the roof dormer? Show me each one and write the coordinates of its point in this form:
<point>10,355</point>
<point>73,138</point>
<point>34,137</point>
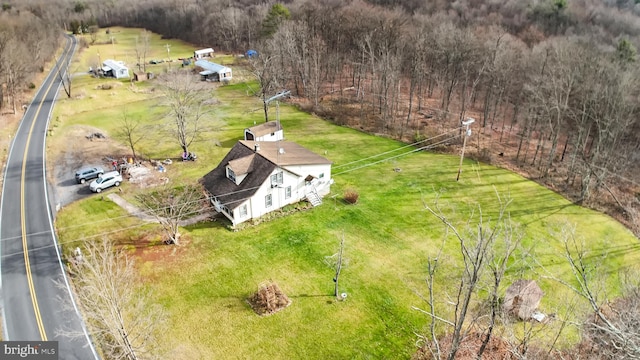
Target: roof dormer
<point>238,169</point>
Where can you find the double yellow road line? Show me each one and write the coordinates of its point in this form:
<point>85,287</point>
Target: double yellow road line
<point>25,246</point>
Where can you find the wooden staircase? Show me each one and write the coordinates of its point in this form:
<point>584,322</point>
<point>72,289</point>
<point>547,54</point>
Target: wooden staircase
<point>314,198</point>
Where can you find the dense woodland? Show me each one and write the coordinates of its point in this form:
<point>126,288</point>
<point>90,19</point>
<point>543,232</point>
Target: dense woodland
<point>26,44</point>
<point>553,84</point>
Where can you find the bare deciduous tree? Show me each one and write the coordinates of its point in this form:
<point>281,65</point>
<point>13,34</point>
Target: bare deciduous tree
<point>14,67</point>
<point>455,53</point>
<point>613,327</point>
<point>118,311</point>
<point>264,68</point>
<point>337,262</point>
<point>170,206</point>
<point>4,39</point>
<point>142,48</point>
<point>186,98</point>
<point>485,250</point>
<point>93,33</point>
<point>304,55</point>
<point>130,131</point>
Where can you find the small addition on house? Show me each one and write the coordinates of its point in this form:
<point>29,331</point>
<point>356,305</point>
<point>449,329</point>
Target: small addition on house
<point>268,131</point>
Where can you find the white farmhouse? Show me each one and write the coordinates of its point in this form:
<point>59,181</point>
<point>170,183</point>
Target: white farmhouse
<point>255,178</point>
<point>268,131</point>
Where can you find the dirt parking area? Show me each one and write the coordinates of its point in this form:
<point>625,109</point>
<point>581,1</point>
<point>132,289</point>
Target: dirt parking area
<point>87,146</point>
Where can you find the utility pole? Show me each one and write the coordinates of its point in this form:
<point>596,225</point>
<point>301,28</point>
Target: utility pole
<point>168,50</point>
<point>467,133</point>
<point>276,97</point>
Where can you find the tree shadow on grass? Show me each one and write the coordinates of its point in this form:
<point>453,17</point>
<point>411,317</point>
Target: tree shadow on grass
<point>310,295</point>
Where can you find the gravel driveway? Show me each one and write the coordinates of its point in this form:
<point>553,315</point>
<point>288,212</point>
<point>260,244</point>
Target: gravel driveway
<point>71,153</point>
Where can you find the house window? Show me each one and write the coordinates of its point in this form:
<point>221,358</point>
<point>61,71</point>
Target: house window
<point>231,175</point>
<point>277,178</point>
<point>243,210</point>
<point>267,201</point>
<point>287,192</point>
<point>321,176</point>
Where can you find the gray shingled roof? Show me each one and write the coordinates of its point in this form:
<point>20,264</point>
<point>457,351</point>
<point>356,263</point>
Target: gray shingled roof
<point>226,191</point>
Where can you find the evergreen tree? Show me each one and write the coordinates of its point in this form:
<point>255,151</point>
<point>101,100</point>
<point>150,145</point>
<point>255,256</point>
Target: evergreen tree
<point>625,52</point>
<point>276,16</point>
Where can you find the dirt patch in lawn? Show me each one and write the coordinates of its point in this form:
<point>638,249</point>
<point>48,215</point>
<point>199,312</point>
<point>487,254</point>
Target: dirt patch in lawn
<point>149,247</point>
<point>151,254</point>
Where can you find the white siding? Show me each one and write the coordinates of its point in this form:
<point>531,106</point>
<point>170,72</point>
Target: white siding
<point>321,183</point>
<point>276,136</point>
<point>118,68</point>
<point>292,176</point>
<point>257,201</point>
<point>238,217</point>
<point>240,178</point>
<point>198,54</point>
<point>278,194</point>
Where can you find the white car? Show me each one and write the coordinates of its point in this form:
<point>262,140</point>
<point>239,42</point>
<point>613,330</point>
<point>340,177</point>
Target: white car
<point>112,178</point>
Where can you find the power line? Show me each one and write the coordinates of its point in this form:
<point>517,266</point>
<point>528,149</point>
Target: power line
<point>87,237</point>
<point>130,215</point>
<point>150,213</point>
<point>400,148</point>
<point>368,158</point>
<point>397,156</point>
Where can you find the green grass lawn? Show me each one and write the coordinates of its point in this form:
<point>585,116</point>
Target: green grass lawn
<point>388,237</point>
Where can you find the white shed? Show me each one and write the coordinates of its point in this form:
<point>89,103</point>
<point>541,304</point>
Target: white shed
<point>202,53</point>
<point>269,131</point>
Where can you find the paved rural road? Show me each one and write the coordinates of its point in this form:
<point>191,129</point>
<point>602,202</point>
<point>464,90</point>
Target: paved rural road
<point>30,262</point>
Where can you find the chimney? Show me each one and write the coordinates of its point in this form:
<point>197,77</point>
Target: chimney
<point>256,147</point>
